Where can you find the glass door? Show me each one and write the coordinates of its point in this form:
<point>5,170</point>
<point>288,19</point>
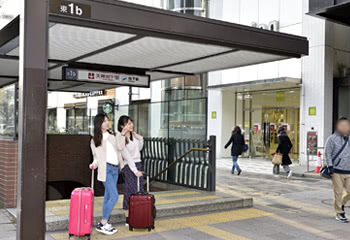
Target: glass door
<point>261,114</point>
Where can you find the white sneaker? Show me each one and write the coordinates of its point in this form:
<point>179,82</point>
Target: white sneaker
<point>276,175</point>
<point>106,229</point>
<point>108,226</point>
<point>290,174</point>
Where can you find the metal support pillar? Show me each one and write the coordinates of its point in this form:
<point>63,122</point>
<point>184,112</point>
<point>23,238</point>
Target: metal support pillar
<point>171,144</point>
<point>33,63</point>
<point>212,164</point>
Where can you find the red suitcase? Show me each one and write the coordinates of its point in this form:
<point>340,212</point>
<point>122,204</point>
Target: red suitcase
<point>81,212</point>
<point>142,211</point>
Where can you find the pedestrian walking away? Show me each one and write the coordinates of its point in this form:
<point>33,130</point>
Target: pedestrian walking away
<point>338,161</point>
<point>108,150</point>
<point>284,147</point>
<point>237,141</point>
<point>133,170</point>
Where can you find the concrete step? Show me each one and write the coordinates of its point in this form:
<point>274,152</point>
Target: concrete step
<point>168,204</point>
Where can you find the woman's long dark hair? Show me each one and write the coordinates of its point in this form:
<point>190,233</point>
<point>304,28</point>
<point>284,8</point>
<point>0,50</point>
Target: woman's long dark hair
<point>282,131</point>
<point>98,120</point>
<point>237,130</point>
<point>123,120</point>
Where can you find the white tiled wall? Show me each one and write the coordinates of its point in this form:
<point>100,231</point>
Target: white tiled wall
<point>287,12</point>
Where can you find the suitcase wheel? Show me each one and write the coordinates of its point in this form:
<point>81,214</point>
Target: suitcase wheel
<point>131,228</point>
<point>153,227</point>
<point>149,228</point>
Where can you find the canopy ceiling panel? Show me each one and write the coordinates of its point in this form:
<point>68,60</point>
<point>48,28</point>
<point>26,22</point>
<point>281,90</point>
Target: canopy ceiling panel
<point>67,42</point>
<point>224,61</point>
<point>151,52</point>
<point>138,39</point>
<point>55,73</point>
<point>7,81</point>
<point>70,86</point>
<point>160,75</point>
<point>8,67</point>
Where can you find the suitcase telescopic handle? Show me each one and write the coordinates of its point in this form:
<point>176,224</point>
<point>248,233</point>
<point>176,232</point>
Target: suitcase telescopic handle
<point>138,184</point>
<point>92,179</point>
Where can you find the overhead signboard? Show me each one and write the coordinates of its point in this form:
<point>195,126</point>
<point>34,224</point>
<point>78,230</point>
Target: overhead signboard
<point>90,94</point>
<point>70,8</point>
<point>84,75</point>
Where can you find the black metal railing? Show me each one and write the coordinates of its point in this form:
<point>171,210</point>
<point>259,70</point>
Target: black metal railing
<point>195,161</point>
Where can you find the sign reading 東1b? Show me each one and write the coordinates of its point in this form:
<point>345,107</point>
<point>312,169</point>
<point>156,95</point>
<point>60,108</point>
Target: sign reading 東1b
<point>84,75</point>
<point>70,8</point>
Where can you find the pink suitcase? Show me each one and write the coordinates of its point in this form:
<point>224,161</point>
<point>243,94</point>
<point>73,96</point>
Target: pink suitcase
<point>81,214</point>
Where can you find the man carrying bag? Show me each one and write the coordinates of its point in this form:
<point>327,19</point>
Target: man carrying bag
<point>338,161</point>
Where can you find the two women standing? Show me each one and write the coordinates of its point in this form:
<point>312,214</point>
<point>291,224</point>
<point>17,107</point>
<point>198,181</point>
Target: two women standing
<point>112,153</point>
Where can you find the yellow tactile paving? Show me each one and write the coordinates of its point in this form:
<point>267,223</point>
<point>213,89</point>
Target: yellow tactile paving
<point>66,202</point>
<point>219,233</point>
<point>98,207</point>
<point>186,222</point>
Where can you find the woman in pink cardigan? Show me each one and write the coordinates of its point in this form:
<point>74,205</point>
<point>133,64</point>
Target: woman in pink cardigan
<point>133,169</point>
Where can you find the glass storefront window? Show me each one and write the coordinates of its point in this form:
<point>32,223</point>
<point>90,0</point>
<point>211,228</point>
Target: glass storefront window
<point>77,121</point>
<point>191,7</point>
<point>8,111</point>
<point>52,120</point>
<point>185,119</point>
<point>174,4</point>
<point>260,114</point>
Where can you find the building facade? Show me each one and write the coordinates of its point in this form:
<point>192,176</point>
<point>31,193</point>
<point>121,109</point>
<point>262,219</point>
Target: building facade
<point>294,93</point>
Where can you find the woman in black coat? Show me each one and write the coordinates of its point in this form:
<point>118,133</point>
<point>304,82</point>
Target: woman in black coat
<point>284,147</point>
<point>237,141</point>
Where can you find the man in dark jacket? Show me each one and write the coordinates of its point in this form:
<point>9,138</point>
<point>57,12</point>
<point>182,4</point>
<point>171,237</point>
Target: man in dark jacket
<point>338,161</point>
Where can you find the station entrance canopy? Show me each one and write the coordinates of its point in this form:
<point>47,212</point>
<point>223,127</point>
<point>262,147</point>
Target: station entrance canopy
<point>118,37</point>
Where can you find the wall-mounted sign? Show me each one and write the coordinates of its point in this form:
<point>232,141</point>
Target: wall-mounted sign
<point>272,26</point>
<point>70,8</point>
<point>280,96</point>
<point>74,74</point>
<point>90,94</point>
<point>213,115</point>
<point>107,107</point>
<point>312,111</point>
<point>312,142</point>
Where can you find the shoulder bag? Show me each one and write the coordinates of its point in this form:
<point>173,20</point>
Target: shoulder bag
<point>325,170</point>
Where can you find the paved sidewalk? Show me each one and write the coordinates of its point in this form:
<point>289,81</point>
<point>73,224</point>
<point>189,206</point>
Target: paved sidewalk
<point>7,227</point>
<point>168,203</point>
<point>262,166</point>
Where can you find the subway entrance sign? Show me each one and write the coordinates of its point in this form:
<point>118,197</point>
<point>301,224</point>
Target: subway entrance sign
<point>85,75</point>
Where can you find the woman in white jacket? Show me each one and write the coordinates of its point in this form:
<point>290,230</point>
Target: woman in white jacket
<point>133,169</point>
<point>108,152</point>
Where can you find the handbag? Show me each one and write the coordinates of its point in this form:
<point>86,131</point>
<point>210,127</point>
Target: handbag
<point>277,159</point>
<point>245,148</point>
<point>325,170</point>
<point>121,178</point>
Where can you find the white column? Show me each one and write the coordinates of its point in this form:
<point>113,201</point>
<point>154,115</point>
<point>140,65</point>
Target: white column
<point>215,124</point>
<point>317,79</point>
